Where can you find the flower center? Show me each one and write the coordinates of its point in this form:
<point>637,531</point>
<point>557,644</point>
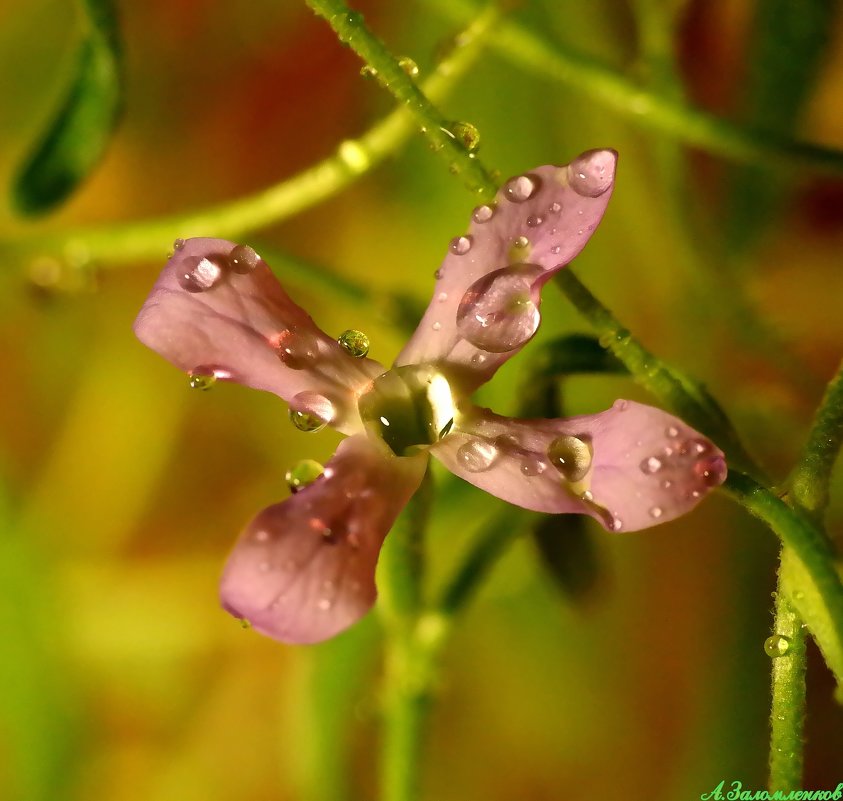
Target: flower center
<point>409,408</point>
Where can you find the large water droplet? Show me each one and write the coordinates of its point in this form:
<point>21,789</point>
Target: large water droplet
<point>776,645</point>
<point>200,273</point>
<point>178,244</point>
<point>711,471</point>
<point>466,134</point>
<point>477,455</point>
<point>592,173</point>
<point>532,465</point>
<point>303,473</point>
<point>521,188</point>
<point>483,213</point>
<point>571,456</point>
<point>201,378</point>
<point>354,342</point>
<point>310,411</point>
<point>534,221</point>
<point>243,259</point>
<point>497,312</point>
<point>460,245</point>
<point>295,348</point>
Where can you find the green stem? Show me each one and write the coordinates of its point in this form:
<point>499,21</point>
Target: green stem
<point>688,398</point>
<point>809,481</point>
<point>674,117</point>
<point>787,714</point>
<point>130,242</point>
<point>351,30</point>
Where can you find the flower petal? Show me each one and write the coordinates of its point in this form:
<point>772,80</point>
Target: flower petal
<point>485,306</point>
<point>304,570</point>
<point>630,467</point>
<point>217,310</point>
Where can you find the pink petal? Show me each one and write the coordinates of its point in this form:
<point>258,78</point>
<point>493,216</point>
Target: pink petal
<point>212,313</point>
<point>485,306</point>
<point>304,569</point>
<point>630,467</point>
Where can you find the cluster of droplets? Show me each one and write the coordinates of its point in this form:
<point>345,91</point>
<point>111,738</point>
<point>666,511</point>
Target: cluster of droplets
<point>674,460</point>
<point>202,273</point>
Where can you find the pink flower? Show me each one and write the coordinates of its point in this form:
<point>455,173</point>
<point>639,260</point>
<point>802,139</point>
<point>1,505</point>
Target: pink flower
<point>304,569</point>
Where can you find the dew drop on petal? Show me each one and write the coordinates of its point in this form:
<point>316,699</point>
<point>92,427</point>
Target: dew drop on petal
<point>178,244</point>
<point>521,188</point>
<point>497,313</point>
<point>201,378</point>
<point>324,604</point>
<point>650,465</point>
<point>534,221</point>
<point>466,134</point>
<point>460,245</point>
<point>483,214</point>
<point>592,173</point>
<point>310,411</point>
<point>295,348</point>
<point>532,466</point>
<point>556,249</point>
<point>303,473</point>
<point>243,259</point>
<point>656,512</point>
<point>442,297</point>
<point>672,431</point>
<point>200,273</point>
<point>521,242</point>
<point>437,326</point>
<point>571,456</point>
<point>477,455</point>
<point>353,342</point>
<point>777,645</point>
<point>555,207</point>
<point>711,471</point>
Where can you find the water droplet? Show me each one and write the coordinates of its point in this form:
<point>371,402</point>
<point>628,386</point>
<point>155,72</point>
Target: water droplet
<point>616,524</point>
<point>460,245</point>
<point>532,465</point>
<point>497,313</point>
<point>243,259</point>
<point>201,378</point>
<point>712,470</point>
<point>534,221</point>
<point>295,348</point>
<point>442,297</point>
<point>244,624</point>
<point>354,342</point>
<point>324,604</point>
<point>521,242</point>
<point>521,188</point>
<point>483,214</point>
<point>437,326</point>
<point>620,405</point>
<point>592,173</point>
<point>178,244</point>
<point>261,535</point>
<point>571,456</point>
<point>200,273</point>
<point>354,155</point>
<point>409,66</point>
<point>439,273</point>
<point>303,473</point>
<point>310,411</point>
<point>555,250</point>
<point>650,465</point>
<point>776,645</point>
<point>587,496</point>
<point>367,71</point>
<point>656,512</point>
<point>667,483</point>
<point>466,134</point>
<point>476,455</point>
<point>672,431</point>
<point>555,208</point>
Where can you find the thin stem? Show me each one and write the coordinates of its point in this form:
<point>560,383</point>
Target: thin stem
<point>797,532</point>
<point>650,109</point>
<point>809,481</point>
<point>787,714</point>
<point>112,245</point>
<point>351,29</point>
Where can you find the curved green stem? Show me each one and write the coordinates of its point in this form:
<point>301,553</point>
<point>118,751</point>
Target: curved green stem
<point>133,241</point>
<point>351,29</point>
<point>650,109</point>
<point>810,479</point>
<point>787,713</point>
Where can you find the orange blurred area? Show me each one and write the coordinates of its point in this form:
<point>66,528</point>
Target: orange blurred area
<point>122,491</point>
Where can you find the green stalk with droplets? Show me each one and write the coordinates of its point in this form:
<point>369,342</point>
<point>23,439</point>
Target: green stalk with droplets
<point>448,142</point>
<point>113,245</point>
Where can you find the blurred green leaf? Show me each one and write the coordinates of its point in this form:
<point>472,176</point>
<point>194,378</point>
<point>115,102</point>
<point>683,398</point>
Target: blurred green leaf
<point>77,136</point>
<point>789,42</point>
<point>568,553</point>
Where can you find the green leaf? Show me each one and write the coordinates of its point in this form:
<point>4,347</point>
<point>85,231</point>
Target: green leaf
<point>77,136</point>
<point>786,53</point>
<point>568,552</point>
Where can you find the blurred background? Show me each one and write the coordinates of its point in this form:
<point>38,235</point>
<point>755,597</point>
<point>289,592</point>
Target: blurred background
<point>641,674</point>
